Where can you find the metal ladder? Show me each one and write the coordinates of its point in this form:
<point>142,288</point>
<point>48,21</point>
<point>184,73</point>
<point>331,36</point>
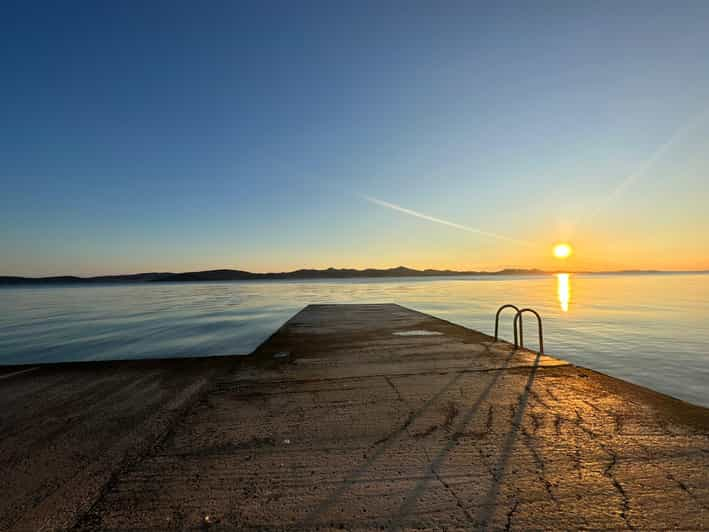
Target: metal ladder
<point>518,318</point>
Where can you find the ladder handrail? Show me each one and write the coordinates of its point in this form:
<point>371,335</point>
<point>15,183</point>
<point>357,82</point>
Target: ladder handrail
<point>521,331</point>
<point>497,320</point>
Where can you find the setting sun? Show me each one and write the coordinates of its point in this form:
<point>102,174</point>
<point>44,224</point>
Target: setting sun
<point>562,251</point>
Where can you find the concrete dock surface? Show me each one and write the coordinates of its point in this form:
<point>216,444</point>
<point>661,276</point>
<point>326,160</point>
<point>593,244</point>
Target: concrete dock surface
<point>349,416</point>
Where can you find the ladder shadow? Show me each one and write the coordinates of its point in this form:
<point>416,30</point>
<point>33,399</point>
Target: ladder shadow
<point>388,441</point>
<point>489,505</point>
<point>410,501</point>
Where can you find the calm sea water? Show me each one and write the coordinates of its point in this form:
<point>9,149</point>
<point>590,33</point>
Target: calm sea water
<point>649,329</point>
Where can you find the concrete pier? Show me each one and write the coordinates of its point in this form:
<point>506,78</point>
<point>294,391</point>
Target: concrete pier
<point>349,416</point>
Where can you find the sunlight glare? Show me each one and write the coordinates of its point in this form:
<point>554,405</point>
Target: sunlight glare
<point>562,251</point>
<point>563,290</point>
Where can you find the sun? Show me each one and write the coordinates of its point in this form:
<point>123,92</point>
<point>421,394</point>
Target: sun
<point>562,251</point>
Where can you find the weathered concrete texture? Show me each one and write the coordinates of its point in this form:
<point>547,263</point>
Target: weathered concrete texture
<point>360,428</point>
<point>66,428</point>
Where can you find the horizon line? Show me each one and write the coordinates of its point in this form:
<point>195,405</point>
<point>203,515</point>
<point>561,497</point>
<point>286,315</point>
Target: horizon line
<point>429,271</point>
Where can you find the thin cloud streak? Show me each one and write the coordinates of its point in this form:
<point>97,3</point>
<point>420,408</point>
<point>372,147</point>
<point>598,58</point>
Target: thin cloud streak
<point>645,167</point>
<point>441,221</point>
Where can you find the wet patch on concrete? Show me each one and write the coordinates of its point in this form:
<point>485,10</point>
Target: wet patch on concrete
<point>419,332</point>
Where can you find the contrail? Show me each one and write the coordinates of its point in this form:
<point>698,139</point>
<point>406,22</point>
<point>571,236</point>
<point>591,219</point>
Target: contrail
<point>433,219</point>
<point>643,168</point>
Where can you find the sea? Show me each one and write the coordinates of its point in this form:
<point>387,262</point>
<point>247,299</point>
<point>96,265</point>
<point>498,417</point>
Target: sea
<point>650,329</point>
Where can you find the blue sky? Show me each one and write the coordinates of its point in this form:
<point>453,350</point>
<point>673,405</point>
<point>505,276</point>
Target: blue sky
<point>143,136</point>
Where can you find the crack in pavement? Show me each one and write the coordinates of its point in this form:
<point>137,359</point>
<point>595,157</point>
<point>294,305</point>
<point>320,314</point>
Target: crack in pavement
<point>541,466</point>
<point>510,514</point>
<point>382,444</point>
<point>409,502</point>
<point>432,469</point>
<point>608,471</point>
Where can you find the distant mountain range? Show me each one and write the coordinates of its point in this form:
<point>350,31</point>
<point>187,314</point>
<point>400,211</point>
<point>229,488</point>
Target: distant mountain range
<point>240,275</point>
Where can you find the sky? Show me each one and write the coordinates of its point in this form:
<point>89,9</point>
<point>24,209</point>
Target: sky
<point>270,136</point>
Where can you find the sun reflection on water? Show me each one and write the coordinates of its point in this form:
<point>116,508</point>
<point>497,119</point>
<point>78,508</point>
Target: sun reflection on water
<point>563,290</point>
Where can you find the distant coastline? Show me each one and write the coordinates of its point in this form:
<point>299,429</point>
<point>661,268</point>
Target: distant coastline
<point>302,274</point>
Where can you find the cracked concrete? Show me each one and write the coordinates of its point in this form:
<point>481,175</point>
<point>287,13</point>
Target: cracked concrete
<point>357,428</point>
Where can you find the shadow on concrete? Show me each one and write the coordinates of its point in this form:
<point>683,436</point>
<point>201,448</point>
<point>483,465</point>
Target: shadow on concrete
<point>489,505</point>
<point>386,442</point>
<point>410,501</point>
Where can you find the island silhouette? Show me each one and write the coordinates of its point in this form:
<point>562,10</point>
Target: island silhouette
<point>328,273</point>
